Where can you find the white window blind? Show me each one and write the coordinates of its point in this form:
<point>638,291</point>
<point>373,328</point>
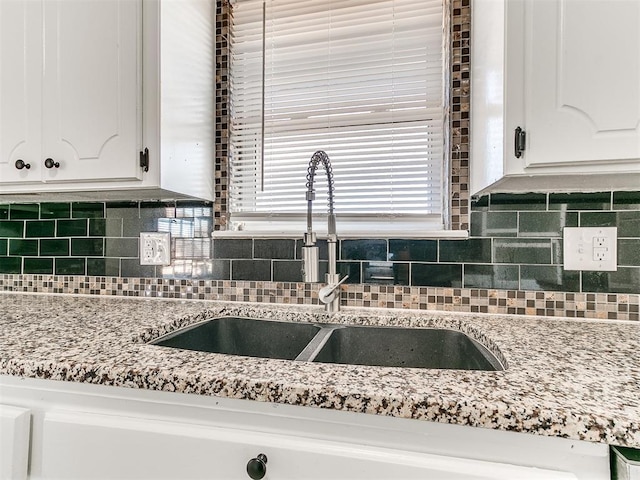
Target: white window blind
<point>359,79</point>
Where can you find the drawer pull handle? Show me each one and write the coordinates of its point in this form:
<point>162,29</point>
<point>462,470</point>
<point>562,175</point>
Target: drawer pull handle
<point>257,467</point>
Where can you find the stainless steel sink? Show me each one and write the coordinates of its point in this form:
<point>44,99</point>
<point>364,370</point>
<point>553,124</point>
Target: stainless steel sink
<point>244,336</point>
<point>328,343</point>
<point>406,347</point>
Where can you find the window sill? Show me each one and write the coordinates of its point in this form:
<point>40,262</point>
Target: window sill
<point>450,234</point>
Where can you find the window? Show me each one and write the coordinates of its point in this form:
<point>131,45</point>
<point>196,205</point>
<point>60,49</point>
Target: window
<point>363,80</point>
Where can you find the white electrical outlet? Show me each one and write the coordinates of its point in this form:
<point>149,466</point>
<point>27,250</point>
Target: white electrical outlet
<point>155,248</point>
<point>590,248</point>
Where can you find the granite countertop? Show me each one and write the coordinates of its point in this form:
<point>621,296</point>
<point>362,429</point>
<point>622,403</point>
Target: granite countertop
<point>577,379</point>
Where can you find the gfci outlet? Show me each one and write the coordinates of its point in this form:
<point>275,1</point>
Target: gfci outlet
<point>155,248</point>
<point>590,248</point>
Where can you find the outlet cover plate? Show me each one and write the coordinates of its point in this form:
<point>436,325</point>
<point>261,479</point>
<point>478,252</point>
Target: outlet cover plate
<point>590,248</point>
<point>155,248</point>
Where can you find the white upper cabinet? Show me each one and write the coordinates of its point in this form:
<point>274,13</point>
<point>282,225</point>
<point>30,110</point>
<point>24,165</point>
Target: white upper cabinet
<point>567,72</point>
<point>90,103</point>
<point>74,117</point>
<point>20,90</point>
<point>69,90</point>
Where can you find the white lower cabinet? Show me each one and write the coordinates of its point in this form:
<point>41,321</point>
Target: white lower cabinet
<point>93,432</point>
<point>15,423</point>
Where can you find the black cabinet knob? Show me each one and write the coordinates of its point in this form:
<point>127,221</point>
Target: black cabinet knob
<point>49,163</point>
<point>257,467</point>
<point>20,165</point>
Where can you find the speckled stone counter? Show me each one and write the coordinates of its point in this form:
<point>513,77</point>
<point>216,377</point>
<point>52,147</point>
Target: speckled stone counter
<point>566,378</point>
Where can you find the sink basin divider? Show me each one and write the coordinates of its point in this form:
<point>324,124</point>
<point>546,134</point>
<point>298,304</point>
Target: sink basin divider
<point>317,342</point>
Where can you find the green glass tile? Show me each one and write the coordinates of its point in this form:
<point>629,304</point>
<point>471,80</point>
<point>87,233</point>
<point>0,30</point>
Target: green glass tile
<point>23,248</point>
<point>525,250</point>
<point>598,219</point>
<point>87,247</point>
<point>491,276</point>
<point>474,250</point>
<point>624,280</point>
<point>4,243</point>
<point>629,252</point>
<point>549,278</point>
<point>40,228</point>
<point>87,210</point>
<point>24,211</point>
<point>38,265</point>
<point>109,267</point>
<point>413,250</point>
<point>4,212</point>
<point>11,229</point>
<point>580,201</point>
<point>71,228</point>
<point>626,200</point>
<point>70,266</point>
<point>480,204</point>
<point>366,249</point>
<point>494,224</point>
<point>10,264</point>
<point>436,275</point>
<point>284,249</point>
<point>54,247</point>
<point>130,267</point>
<point>516,202</point>
<point>55,210</point>
<point>628,224</point>
<point>545,224</point>
<point>105,227</point>
<point>121,247</point>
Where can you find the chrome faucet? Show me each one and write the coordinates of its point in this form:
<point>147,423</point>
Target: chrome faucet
<point>329,294</point>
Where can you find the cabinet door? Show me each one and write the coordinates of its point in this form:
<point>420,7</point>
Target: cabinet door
<point>92,121</point>
<point>582,84</point>
<point>15,423</point>
<point>20,89</point>
<point>96,446</point>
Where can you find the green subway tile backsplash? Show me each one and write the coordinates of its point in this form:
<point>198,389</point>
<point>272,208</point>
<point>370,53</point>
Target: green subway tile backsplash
<point>626,200</point>
<point>71,228</point>
<point>580,201</point>
<point>521,250</point>
<point>10,265</point>
<point>55,210</point>
<point>38,265</point>
<point>54,247</point>
<point>23,248</point>
<point>515,243</point>
<point>70,266</point>
<point>11,229</point>
<point>24,211</point>
<point>629,252</point>
<point>87,247</point>
<point>87,210</point>
<point>40,228</point>
<point>545,224</point>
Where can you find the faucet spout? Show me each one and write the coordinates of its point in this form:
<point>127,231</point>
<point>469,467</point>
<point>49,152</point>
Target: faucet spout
<point>310,256</point>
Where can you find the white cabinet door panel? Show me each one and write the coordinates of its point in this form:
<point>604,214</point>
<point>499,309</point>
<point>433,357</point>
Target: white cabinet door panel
<point>14,442</point>
<point>582,71</point>
<point>91,89</point>
<point>20,89</point>
<point>92,446</point>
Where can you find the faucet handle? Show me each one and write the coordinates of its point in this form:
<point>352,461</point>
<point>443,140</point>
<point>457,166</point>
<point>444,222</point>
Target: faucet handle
<point>328,292</point>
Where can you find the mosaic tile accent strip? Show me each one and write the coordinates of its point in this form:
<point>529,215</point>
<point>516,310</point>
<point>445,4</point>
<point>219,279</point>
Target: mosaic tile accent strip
<point>602,306</point>
<point>460,102</point>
